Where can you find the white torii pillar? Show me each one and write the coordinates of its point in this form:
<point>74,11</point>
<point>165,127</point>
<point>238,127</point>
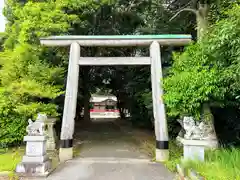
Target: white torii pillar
<point>70,103</point>
<point>160,120</point>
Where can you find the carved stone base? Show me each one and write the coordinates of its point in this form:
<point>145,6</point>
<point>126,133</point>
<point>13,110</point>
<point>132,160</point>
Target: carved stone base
<point>36,145</point>
<point>212,144</point>
<point>194,152</point>
<point>35,162</point>
<point>34,159</point>
<point>195,149</point>
<point>34,169</point>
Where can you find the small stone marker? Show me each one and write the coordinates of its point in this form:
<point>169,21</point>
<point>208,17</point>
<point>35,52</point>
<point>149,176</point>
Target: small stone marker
<point>35,162</point>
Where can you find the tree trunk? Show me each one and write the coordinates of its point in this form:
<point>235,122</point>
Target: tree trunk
<point>202,25</point>
<point>208,117</point>
<point>78,112</point>
<point>86,94</point>
<point>120,107</point>
<point>202,20</point>
<point>86,108</point>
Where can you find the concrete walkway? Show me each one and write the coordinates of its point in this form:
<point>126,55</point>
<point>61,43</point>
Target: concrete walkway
<point>111,169</point>
<point>106,153</point>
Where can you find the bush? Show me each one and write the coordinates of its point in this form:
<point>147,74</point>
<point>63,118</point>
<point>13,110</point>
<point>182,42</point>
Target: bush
<point>175,155</point>
<point>27,88</point>
<point>12,130</point>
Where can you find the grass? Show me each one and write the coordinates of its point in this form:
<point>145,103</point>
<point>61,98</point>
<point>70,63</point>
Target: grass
<point>10,159</point>
<point>175,155</point>
<point>221,164</point>
<point>147,143</point>
<point>76,150</point>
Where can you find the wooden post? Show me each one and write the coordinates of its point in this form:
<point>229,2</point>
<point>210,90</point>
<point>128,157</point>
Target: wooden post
<point>161,131</point>
<point>66,144</point>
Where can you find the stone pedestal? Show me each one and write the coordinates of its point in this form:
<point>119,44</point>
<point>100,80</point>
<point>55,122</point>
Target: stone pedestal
<point>35,162</point>
<point>195,149</point>
<point>50,132</point>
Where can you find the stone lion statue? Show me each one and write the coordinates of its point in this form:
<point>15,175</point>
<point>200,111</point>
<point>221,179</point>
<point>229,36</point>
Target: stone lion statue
<point>36,128</point>
<point>196,130</point>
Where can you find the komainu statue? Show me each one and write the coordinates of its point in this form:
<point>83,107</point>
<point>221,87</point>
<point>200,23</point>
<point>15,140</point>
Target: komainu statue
<point>36,128</point>
<point>197,130</point>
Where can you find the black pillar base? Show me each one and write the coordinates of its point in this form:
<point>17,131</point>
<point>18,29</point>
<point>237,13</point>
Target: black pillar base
<point>66,143</point>
<point>162,144</point>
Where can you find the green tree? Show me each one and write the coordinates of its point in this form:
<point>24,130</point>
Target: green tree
<point>207,71</point>
<point>204,11</point>
<point>29,80</point>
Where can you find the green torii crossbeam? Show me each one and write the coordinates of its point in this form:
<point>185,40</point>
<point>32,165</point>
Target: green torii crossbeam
<point>113,40</point>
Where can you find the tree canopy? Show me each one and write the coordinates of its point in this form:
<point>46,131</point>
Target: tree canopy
<point>207,71</point>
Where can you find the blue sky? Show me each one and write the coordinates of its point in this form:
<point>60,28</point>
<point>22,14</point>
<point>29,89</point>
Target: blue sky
<point>2,21</point>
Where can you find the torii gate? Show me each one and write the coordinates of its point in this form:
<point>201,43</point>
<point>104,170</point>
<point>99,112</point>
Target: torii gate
<point>75,42</point>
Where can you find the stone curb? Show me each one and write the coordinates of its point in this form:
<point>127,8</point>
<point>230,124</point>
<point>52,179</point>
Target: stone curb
<point>184,174</point>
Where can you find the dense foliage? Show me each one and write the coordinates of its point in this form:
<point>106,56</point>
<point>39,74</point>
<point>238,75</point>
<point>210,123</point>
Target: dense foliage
<point>30,78</point>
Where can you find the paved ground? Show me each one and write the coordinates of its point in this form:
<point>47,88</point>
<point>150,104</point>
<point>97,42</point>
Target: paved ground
<point>106,153</point>
<point>105,139</point>
<point>116,169</point>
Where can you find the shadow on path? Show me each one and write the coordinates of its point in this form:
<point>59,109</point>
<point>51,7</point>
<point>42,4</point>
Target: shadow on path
<point>104,138</point>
